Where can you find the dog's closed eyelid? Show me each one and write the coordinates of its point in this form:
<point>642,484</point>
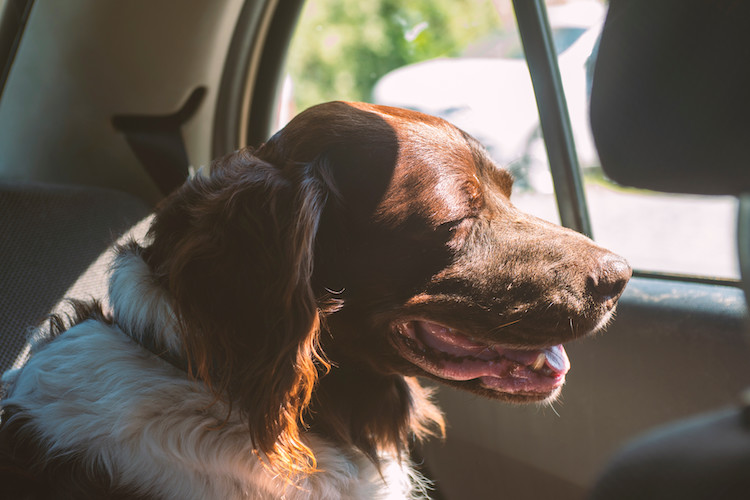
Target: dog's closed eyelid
<point>458,231</point>
<point>453,225</point>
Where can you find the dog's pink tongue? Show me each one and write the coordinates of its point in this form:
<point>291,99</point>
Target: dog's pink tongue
<point>557,358</point>
<point>485,360</point>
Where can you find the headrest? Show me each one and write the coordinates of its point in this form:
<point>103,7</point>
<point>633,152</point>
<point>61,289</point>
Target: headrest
<point>670,101</point>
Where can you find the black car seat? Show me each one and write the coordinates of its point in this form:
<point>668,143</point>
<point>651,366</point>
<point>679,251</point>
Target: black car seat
<point>53,244</point>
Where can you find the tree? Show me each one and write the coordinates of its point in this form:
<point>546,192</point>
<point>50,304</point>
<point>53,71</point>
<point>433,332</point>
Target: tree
<point>341,48</point>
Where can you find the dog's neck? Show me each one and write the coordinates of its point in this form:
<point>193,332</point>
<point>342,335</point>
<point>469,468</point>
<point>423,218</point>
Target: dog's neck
<point>363,409</point>
<point>362,404</point>
<point>141,307</point>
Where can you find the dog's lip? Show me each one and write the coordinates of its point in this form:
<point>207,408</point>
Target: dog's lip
<point>452,355</point>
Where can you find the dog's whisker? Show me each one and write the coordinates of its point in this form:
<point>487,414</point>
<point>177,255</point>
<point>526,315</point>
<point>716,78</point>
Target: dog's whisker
<point>504,325</point>
<point>552,407</point>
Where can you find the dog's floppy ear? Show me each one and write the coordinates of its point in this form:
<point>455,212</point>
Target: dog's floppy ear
<point>235,251</point>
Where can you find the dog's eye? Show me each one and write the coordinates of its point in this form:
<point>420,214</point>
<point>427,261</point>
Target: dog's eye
<point>449,226</point>
<point>455,227</point>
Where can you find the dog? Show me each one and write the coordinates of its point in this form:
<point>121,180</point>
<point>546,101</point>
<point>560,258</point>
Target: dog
<point>265,340</point>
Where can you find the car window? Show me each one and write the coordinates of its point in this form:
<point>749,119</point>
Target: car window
<point>459,59</point>
<point>564,38</point>
<point>385,52</point>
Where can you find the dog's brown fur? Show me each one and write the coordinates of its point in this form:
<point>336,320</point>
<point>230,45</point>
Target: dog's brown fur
<point>380,212</point>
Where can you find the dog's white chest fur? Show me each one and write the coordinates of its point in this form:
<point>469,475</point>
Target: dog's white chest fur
<point>97,393</point>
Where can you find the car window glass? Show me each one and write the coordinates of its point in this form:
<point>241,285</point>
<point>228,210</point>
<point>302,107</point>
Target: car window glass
<point>657,232</point>
<point>463,60</point>
<point>458,59</point>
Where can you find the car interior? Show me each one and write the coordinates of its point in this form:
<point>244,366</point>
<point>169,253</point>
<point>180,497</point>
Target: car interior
<point>106,107</point>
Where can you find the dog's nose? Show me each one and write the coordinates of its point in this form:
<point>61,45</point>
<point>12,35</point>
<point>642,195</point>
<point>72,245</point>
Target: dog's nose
<point>609,277</point>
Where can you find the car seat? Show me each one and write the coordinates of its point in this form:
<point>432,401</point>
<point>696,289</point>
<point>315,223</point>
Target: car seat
<point>669,112</point>
<point>53,244</point>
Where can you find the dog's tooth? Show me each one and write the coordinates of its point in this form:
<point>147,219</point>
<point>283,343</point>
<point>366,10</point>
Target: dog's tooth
<point>539,362</point>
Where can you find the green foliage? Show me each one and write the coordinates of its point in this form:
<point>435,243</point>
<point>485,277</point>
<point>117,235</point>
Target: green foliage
<point>342,47</point>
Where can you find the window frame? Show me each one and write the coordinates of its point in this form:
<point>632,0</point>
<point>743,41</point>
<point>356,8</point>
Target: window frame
<point>541,59</point>
<point>246,101</point>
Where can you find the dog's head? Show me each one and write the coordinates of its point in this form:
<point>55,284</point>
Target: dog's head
<point>394,231</point>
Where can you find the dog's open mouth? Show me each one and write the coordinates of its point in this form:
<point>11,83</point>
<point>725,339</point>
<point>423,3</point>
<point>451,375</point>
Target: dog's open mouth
<point>452,355</point>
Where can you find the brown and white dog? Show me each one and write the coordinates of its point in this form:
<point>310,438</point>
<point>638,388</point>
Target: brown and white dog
<point>264,341</point>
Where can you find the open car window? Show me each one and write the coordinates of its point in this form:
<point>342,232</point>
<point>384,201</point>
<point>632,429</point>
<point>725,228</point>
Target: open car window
<point>463,61</point>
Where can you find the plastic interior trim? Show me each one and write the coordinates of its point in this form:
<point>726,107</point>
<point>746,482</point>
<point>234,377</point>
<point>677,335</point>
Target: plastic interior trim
<point>743,242</point>
<point>240,76</point>
<point>13,19</point>
<point>541,57</point>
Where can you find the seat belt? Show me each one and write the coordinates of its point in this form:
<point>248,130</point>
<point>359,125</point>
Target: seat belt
<point>158,144</point>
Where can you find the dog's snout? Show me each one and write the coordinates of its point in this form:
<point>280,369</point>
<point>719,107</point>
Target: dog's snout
<point>608,278</point>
